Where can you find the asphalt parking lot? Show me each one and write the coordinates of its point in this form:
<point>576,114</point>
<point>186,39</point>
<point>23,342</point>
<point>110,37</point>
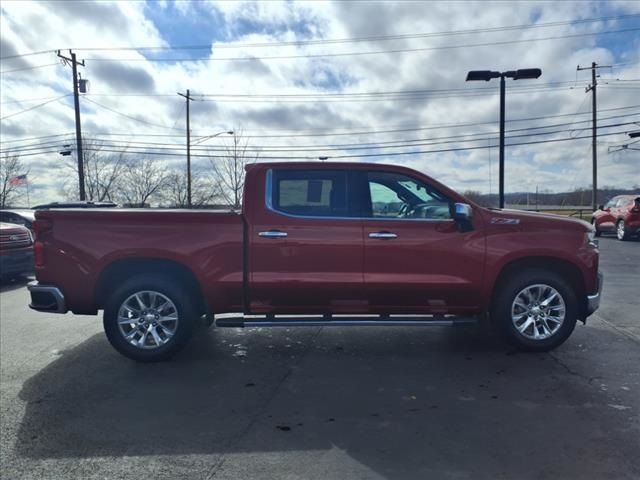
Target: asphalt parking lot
<point>325,403</point>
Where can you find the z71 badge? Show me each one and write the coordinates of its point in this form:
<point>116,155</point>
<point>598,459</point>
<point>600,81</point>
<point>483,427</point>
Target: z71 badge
<point>505,221</point>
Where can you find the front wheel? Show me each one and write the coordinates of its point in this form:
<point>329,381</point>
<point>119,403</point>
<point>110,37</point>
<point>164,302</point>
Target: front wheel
<point>536,310</point>
<point>621,230</point>
<point>149,318</point>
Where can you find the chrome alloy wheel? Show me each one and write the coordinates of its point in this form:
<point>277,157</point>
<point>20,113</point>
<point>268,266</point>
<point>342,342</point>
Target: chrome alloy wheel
<point>620,229</point>
<point>538,312</point>
<point>147,319</point>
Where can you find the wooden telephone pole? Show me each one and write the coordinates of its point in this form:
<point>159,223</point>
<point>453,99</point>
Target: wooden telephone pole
<point>594,127</point>
<point>76,101</point>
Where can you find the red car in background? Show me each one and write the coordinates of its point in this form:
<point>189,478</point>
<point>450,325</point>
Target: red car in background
<point>16,251</point>
<point>621,215</point>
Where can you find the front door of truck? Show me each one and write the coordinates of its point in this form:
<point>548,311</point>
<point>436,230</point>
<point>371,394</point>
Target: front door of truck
<point>416,259</point>
<point>306,250</point>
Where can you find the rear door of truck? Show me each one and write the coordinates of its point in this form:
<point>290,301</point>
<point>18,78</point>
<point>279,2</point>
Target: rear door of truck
<point>305,252</point>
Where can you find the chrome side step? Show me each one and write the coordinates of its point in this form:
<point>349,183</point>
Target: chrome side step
<point>345,321</point>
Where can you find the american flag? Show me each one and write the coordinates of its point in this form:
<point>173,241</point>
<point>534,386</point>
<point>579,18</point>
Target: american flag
<point>18,180</point>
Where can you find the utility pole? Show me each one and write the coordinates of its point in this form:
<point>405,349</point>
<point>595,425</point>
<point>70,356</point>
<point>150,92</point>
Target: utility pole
<point>594,127</point>
<point>188,98</point>
<point>76,101</point>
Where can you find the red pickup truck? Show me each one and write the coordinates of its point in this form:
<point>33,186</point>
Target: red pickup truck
<point>318,244</point>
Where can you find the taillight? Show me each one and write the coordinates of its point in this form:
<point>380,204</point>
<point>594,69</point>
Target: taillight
<point>40,226</point>
<point>38,253</point>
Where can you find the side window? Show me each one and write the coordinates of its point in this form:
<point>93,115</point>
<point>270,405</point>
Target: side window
<point>611,203</point>
<point>398,196</point>
<point>315,193</point>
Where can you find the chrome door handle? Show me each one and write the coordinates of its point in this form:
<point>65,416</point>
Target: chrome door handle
<point>273,234</point>
<point>383,235</point>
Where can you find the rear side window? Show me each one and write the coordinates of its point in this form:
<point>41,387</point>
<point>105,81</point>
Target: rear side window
<point>315,193</point>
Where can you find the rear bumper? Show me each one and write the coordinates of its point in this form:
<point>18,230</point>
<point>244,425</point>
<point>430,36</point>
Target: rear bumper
<point>16,263</point>
<point>593,301</point>
<point>46,298</point>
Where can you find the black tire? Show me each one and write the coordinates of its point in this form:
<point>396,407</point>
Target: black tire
<point>184,303</point>
<point>595,226</point>
<point>505,297</point>
<point>620,225</point>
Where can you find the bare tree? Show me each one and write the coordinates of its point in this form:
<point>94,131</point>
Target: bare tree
<point>102,172</point>
<point>203,190</point>
<point>229,169</point>
<point>10,166</point>
<point>143,178</point>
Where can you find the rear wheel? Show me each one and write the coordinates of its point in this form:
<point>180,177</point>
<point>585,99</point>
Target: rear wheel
<point>621,230</point>
<point>536,310</point>
<point>149,318</point>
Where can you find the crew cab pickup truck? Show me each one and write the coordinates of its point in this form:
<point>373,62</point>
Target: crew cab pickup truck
<point>318,244</point>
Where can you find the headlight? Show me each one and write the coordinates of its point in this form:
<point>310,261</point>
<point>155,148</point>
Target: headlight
<point>591,238</point>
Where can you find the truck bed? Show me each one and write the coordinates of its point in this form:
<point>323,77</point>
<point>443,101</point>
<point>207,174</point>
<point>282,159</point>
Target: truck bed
<point>82,242</point>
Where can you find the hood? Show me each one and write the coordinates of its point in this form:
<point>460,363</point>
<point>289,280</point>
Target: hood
<point>12,228</point>
<point>535,219</point>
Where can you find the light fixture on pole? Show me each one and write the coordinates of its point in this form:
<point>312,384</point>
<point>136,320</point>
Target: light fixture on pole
<point>486,75</point>
<point>202,139</point>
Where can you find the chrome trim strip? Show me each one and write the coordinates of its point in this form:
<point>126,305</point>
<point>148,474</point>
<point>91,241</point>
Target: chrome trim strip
<point>593,301</point>
<point>269,204</point>
<point>58,307</point>
<point>383,235</point>
<point>342,322</point>
<point>272,234</point>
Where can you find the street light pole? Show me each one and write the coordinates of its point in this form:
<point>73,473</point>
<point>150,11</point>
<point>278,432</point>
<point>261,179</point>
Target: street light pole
<point>486,75</point>
<point>502,111</point>
<point>188,99</point>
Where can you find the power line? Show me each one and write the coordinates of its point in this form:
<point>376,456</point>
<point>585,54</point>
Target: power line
<point>34,107</point>
<point>321,148</point>
<point>367,155</point>
<point>298,148</point>
<point>479,134</point>
<point>361,39</point>
<point>24,139</point>
<point>338,132</point>
<point>29,68</point>
<point>374,52</point>
<point>338,94</point>
<point>339,40</point>
<point>27,54</point>
<point>129,116</point>
<point>25,100</point>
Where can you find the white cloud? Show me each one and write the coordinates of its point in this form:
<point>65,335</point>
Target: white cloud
<point>46,26</point>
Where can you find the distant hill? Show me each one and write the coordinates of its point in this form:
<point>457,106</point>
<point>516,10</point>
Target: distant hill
<point>580,197</point>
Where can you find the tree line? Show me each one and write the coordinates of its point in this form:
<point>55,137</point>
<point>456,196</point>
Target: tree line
<point>140,180</point>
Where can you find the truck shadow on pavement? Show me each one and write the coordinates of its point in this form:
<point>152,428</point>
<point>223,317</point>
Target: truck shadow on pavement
<point>6,285</point>
<point>404,402</point>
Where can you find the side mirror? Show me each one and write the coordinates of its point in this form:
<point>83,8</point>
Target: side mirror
<point>600,207</point>
<point>463,214</point>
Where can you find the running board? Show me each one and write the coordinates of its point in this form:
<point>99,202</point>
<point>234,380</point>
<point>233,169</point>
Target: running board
<point>345,321</point>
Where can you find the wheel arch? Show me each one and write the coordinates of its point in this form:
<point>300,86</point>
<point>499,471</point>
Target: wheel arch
<point>564,268</point>
<point>122,269</point>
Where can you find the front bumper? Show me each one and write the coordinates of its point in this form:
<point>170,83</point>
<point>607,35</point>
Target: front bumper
<point>593,301</point>
<point>46,298</point>
<point>16,263</point>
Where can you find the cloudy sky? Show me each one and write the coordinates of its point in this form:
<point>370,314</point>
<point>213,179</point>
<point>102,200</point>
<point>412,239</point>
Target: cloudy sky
<point>359,81</point>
